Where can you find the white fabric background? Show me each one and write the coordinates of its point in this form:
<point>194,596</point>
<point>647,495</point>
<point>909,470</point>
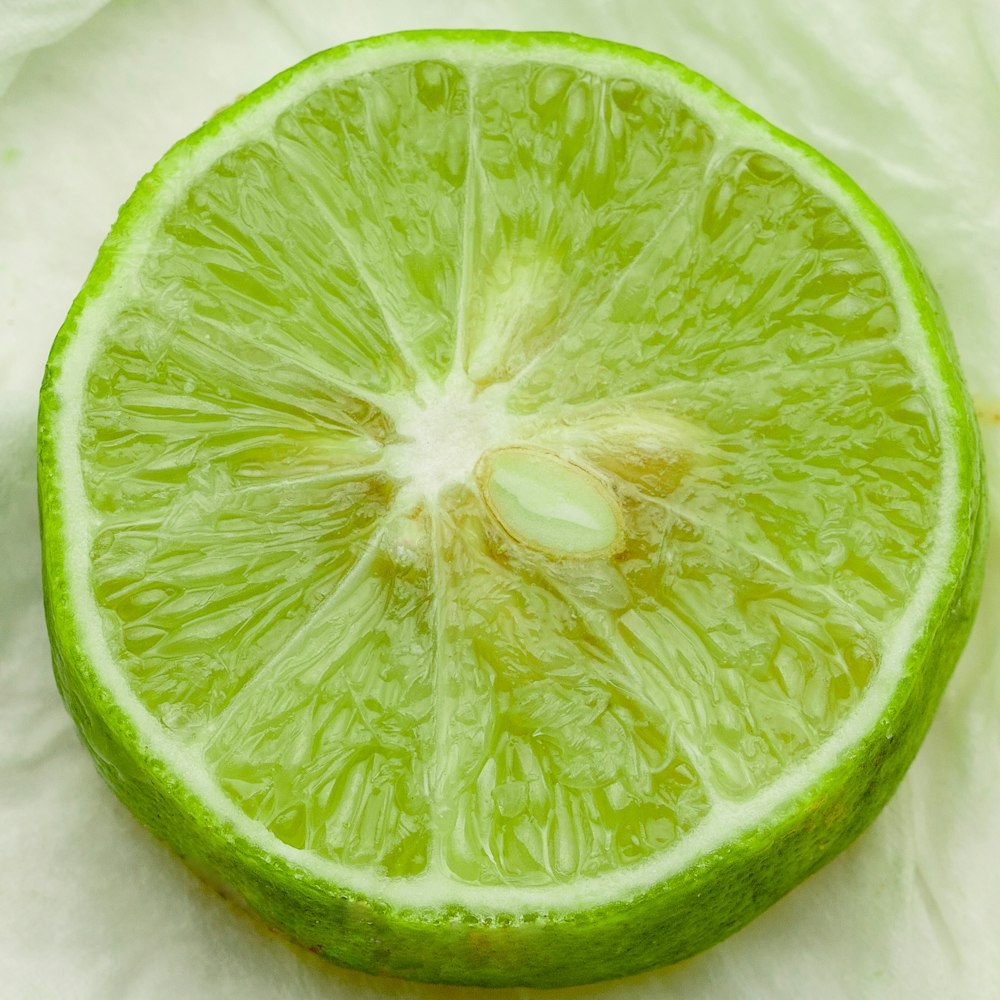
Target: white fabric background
<point>904,94</point>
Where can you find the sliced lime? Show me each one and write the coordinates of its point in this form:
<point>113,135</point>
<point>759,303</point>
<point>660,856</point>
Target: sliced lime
<point>509,512</point>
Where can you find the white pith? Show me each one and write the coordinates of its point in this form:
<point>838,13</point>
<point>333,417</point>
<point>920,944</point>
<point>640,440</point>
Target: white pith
<point>437,455</point>
<point>447,429</point>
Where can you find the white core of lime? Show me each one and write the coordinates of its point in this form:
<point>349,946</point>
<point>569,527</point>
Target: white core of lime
<point>446,430</point>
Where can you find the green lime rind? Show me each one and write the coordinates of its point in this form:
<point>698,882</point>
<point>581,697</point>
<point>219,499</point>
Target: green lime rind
<point>666,922</point>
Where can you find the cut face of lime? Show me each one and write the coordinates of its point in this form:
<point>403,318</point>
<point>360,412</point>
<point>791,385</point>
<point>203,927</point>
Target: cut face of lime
<point>509,512</point>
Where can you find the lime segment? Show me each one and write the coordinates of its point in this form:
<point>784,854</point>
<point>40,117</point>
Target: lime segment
<point>576,770</point>
<point>327,745</point>
<point>392,145</point>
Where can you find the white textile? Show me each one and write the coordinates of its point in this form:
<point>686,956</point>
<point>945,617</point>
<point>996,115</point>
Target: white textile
<point>904,94</point>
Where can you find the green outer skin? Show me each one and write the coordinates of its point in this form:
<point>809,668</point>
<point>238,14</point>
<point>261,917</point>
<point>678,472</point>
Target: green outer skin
<point>669,921</point>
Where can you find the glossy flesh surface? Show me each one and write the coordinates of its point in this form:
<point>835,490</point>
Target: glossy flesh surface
<point>377,349</point>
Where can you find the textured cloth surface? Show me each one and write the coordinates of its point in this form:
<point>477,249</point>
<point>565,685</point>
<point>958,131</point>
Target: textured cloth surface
<point>26,25</point>
<point>904,95</point>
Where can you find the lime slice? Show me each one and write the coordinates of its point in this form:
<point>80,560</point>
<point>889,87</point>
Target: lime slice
<point>509,512</point>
